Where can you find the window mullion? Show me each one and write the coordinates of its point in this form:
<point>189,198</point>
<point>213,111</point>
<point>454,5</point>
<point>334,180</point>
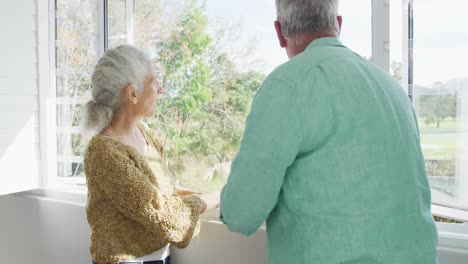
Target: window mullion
<point>381,33</point>
<point>48,115</point>
<point>409,33</point>
<point>102,27</point>
<point>129,18</point>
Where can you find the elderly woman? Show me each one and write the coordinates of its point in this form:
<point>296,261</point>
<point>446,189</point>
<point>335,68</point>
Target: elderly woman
<point>134,210</point>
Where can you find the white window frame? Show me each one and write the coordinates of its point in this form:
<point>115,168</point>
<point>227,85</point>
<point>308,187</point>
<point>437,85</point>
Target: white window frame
<point>53,180</point>
<point>129,17</point>
<point>47,98</point>
<point>381,33</point>
<point>102,27</point>
<point>450,235</point>
<point>74,190</point>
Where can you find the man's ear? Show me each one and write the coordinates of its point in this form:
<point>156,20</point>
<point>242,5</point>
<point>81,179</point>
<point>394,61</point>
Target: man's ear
<point>279,33</point>
<point>340,22</point>
<point>130,94</point>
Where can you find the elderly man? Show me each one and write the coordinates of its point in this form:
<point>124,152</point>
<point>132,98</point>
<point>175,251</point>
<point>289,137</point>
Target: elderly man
<point>331,155</point>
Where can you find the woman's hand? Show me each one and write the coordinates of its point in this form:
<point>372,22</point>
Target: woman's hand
<point>184,191</point>
<point>210,200</point>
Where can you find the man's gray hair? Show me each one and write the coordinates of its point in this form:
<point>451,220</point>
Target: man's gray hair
<point>307,16</point>
<point>118,68</point>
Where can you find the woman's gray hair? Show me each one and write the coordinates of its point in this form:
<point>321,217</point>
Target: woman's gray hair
<point>307,16</point>
<point>119,67</point>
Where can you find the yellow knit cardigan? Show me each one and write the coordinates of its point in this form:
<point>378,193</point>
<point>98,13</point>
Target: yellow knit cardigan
<point>132,209</point>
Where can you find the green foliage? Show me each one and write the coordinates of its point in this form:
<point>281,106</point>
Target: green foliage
<point>207,99</point>
<point>446,220</point>
<point>442,168</point>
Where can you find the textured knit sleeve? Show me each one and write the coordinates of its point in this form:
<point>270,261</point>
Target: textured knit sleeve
<point>122,181</point>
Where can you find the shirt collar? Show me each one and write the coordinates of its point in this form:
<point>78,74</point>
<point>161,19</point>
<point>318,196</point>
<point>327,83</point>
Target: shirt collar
<point>325,42</point>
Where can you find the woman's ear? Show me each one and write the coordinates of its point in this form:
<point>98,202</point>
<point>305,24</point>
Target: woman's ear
<point>130,94</point>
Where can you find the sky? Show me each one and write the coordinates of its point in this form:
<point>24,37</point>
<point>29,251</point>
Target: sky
<point>440,46</point>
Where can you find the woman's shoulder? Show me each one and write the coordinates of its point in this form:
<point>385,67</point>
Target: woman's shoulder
<point>101,141</point>
<point>101,146</point>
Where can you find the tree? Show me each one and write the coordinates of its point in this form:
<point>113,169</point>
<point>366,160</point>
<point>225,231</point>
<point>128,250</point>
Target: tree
<point>438,104</point>
<point>202,115</point>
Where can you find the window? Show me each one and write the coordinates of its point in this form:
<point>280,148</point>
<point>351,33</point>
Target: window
<point>76,55</point>
<point>429,58</point>
<point>120,22</point>
<point>213,61</point>
<point>79,38</point>
<point>214,55</point>
<point>200,119</point>
<point>440,96</point>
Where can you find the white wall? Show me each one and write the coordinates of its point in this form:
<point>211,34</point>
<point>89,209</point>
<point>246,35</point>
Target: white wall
<point>49,232</point>
<point>43,232</point>
<point>216,244</point>
<point>19,110</point>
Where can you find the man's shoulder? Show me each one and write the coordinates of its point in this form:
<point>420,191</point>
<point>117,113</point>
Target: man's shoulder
<point>294,70</point>
<point>305,62</point>
<point>291,71</point>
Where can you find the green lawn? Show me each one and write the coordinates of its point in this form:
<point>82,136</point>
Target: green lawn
<point>439,143</point>
<point>448,123</point>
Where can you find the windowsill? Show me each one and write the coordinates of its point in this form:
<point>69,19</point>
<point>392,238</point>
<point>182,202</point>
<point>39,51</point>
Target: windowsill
<point>448,212</point>
<point>451,236</point>
<point>76,194</point>
<point>63,193</point>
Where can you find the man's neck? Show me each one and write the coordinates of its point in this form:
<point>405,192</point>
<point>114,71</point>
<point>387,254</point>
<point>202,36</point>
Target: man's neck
<point>299,42</point>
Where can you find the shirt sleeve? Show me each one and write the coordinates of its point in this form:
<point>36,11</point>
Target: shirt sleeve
<point>269,146</point>
<point>118,177</point>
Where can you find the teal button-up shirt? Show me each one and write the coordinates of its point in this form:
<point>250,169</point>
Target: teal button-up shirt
<point>331,159</point>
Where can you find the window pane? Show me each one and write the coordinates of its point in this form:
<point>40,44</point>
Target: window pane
<point>356,31</point>
<point>441,97</point>
<point>117,23</point>
<point>212,65</point>
<point>76,57</point>
<point>71,164</point>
